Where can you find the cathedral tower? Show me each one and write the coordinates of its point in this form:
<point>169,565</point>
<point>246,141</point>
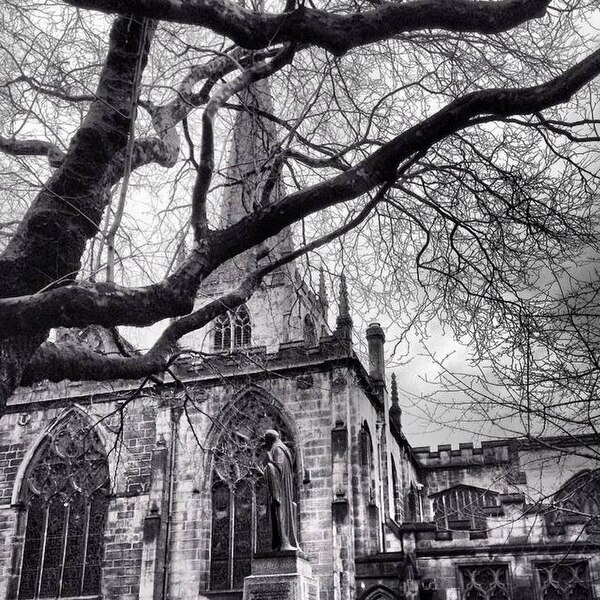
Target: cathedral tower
<point>284,308</point>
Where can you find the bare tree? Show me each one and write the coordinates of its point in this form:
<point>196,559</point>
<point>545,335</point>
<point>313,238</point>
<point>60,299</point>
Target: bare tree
<point>451,143</point>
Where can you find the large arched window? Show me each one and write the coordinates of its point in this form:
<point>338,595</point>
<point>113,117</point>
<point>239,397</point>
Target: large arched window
<point>232,330</point>
<point>240,525</point>
<point>578,501</point>
<point>65,492</point>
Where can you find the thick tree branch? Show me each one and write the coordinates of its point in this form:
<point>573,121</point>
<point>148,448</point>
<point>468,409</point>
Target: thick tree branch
<point>56,362</point>
<point>50,240</point>
<point>381,164</point>
<point>51,237</point>
<point>335,32</point>
<point>32,148</point>
<point>78,305</point>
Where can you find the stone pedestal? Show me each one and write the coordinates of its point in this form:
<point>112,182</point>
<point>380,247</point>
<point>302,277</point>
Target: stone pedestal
<point>281,576</point>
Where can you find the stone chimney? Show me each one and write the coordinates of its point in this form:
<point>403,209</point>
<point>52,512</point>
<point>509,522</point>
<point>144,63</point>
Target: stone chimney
<point>375,341</point>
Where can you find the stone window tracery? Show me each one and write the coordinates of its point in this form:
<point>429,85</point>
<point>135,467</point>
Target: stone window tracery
<point>239,495</point>
<point>578,501</point>
<point>232,330</point>
<point>565,580</point>
<point>485,582</point>
<point>242,328</point>
<point>462,507</point>
<point>65,492</point>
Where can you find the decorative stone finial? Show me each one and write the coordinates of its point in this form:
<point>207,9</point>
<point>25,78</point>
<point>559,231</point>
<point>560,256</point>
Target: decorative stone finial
<point>324,301</point>
<point>395,410</point>
<point>344,320</point>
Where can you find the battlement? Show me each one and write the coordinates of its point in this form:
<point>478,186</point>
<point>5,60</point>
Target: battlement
<point>489,453</point>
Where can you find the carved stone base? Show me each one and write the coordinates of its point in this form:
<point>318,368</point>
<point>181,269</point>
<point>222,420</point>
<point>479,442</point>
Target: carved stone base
<point>281,576</point>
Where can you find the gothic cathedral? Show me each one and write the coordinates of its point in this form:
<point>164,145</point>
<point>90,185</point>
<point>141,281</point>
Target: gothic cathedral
<point>155,491</point>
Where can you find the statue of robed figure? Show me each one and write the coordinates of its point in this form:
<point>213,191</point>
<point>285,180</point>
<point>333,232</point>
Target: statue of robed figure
<point>279,475</point>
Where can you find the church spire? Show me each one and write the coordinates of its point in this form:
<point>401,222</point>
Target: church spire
<point>344,320</point>
<point>252,177</point>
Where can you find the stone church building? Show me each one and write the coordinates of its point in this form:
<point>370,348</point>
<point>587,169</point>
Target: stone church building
<point>152,490</point>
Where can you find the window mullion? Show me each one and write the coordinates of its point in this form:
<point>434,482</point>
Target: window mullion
<point>231,537</point>
<point>43,553</point>
<point>85,545</point>
<point>63,551</point>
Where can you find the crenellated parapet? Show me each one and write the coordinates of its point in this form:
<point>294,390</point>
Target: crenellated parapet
<point>466,455</point>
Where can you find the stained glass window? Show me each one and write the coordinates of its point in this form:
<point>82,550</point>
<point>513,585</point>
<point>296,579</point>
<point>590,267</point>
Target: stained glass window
<point>462,507</point>
<point>65,491</point>
<point>485,582</point>
<point>239,499</point>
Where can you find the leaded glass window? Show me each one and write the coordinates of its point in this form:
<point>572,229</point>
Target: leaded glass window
<point>240,524</point>
<point>564,580</point>
<point>232,330</point>
<point>242,328</point>
<point>65,491</point>
<point>462,507</point>
<point>485,582</point>
<point>222,333</point>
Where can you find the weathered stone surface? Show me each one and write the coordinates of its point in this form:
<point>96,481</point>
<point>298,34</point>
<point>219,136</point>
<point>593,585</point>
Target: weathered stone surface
<point>281,576</point>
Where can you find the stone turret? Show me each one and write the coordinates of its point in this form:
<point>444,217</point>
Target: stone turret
<point>376,341</point>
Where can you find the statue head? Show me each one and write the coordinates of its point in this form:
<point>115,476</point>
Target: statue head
<point>270,437</point>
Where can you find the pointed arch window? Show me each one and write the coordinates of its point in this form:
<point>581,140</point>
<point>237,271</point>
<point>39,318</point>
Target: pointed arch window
<point>233,330</point>
<point>578,501</point>
<point>242,328</point>
<point>240,524</point>
<point>222,333</point>
<point>65,492</point>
